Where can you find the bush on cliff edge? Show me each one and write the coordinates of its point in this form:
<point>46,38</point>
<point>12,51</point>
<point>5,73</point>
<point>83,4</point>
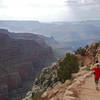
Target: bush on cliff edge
<point>80,51</point>
<point>68,66</point>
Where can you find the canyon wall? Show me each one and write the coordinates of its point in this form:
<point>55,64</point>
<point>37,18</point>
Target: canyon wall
<point>21,60</point>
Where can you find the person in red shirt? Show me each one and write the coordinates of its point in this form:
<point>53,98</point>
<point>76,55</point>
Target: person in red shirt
<point>96,75</point>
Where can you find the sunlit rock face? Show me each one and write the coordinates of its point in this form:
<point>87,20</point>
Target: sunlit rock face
<point>21,60</point>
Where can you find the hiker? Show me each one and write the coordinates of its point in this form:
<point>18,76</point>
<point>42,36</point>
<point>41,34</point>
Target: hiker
<point>95,65</point>
<point>96,70</point>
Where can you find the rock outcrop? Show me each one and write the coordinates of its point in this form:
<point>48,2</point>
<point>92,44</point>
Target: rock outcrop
<point>45,81</point>
<point>60,91</point>
<point>92,53</point>
<point>68,90</point>
<point>47,78</point>
<point>21,60</point>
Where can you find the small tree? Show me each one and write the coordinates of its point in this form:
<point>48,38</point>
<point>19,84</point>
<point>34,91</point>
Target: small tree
<point>80,51</point>
<point>68,66</point>
<point>87,46</point>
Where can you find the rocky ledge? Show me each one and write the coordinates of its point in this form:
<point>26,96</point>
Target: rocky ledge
<point>66,91</point>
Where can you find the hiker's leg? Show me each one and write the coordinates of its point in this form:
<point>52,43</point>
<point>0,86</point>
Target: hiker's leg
<point>96,83</point>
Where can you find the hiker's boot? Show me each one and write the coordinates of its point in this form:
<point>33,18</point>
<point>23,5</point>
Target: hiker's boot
<point>97,88</point>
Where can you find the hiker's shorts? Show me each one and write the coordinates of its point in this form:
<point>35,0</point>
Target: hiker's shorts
<point>96,80</point>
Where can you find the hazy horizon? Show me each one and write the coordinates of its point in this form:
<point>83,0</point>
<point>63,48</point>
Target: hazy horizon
<point>50,11</point>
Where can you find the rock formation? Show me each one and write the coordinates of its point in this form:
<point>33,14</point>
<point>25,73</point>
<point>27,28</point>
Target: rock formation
<point>92,53</point>
<point>67,90</point>
<point>21,60</point>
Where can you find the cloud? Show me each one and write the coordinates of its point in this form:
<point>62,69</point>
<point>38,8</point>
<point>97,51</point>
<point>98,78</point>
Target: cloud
<point>43,10</point>
<point>50,9</point>
<point>83,3</point>
<point>84,9</point>
<point>2,5</point>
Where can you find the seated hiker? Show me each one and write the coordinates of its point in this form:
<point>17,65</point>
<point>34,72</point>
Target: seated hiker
<point>96,75</point>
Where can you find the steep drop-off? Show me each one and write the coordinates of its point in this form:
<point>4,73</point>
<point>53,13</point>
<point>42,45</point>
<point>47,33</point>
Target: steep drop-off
<point>20,61</point>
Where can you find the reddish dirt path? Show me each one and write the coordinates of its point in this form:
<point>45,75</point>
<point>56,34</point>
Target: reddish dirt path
<point>88,91</point>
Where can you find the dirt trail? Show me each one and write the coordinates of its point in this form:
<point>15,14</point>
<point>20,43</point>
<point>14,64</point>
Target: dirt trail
<point>88,91</point>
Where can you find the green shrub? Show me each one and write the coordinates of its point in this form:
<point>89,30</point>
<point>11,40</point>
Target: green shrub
<point>87,46</point>
<point>80,51</point>
<point>88,68</point>
<point>37,81</point>
<point>40,80</point>
<point>94,53</point>
<point>71,80</point>
<point>82,64</point>
<point>37,96</point>
<point>68,66</point>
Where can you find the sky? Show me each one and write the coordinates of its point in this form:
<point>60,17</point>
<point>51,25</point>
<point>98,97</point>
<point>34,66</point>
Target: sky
<point>50,10</point>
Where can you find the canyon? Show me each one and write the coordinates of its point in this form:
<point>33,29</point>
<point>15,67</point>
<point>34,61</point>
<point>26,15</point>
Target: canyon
<point>21,60</point>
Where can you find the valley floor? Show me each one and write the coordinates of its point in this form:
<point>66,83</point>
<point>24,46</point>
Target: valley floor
<point>88,91</point>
